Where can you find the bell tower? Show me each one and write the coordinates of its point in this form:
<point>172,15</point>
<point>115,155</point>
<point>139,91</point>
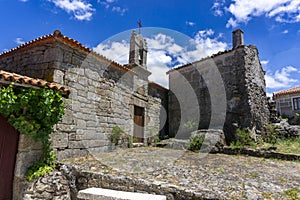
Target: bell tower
<point>138,51</point>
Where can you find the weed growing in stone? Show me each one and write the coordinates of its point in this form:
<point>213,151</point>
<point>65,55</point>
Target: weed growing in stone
<point>293,193</point>
<point>270,134</point>
<point>243,138</point>
<point>196,143</point>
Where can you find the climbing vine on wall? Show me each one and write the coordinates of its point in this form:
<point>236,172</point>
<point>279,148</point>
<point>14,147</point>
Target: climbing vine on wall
<point>34,112</point>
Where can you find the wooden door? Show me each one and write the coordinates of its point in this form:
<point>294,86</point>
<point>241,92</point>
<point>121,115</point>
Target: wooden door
<point>138,132</point>
<point>8,149</point>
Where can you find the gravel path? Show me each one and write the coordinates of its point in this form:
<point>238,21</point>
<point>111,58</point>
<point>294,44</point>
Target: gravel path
<point>226,176</point>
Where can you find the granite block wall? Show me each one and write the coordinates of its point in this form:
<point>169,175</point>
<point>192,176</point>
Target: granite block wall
<point>229,85</point>
<point>103,94</point>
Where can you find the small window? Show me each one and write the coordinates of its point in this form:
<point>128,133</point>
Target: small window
<point>296,103</point>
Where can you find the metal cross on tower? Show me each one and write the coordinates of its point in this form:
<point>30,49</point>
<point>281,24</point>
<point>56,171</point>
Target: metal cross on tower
<point>140,26</point>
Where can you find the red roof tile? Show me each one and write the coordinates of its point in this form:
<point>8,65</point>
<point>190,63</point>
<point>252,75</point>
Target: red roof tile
<point>58,36</point>
<point>287,92</point>
<point>32,82</point>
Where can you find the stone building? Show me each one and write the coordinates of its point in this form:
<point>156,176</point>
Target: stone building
<point>288,101</point>
<point>103,93</point>
<point>224,91</point>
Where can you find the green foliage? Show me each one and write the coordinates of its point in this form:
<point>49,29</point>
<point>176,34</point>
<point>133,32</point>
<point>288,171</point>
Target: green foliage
<point>293,193</point>
<point>270,134</point>
<point>153,140</point>
<point>243,138</point>
<point>41,168</point>
<point>119,137</point>
<point>34,112</point>
<point>115,135</point>
<point>196,143</point>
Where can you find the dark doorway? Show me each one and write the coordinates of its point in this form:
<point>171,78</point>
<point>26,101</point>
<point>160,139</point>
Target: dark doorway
<point>8,150</point>
<point>138,132</point>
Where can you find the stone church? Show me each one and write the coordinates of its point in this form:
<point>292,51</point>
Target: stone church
<point>223,91</point>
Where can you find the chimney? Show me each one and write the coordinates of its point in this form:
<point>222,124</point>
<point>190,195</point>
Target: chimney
<point>237,38</point>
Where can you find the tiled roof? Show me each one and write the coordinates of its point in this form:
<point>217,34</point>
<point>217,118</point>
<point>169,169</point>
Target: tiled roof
<point>58,36</point>
<point>7,77</point>
<point>287,92</point>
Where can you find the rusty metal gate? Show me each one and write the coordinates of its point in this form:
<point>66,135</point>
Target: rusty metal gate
<point>8,150</point>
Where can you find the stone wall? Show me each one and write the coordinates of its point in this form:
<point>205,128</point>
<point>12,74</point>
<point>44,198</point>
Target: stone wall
<point>28,152</point>
<point>88,179</point>
<point>159,96</point>
<point>229,88</point>
<point>103,95</point>
<point>36,61</point>
<point>53,186</point>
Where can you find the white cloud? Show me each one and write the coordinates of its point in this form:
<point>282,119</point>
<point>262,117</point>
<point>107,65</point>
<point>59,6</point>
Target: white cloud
<point>164,52</point>
<point>19,41</point>
<point>189,23</point>
<point>285,31</point>
<point>217,7</point>
<point>264,62</point>
<point>204,45</point>
<point>119,10</point>
<point>80,9</point>
<point>23,0</point>
<point>281,78</point>
<point>108,3</point>
<point>287,11</point>
<point>116,51</point>
<point>231,22</point>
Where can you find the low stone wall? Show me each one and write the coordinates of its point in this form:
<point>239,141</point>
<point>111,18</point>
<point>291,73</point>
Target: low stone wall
<point>87,179</point>
<point>66,183</point>
<point>53,186</point>
<point>258,153</point>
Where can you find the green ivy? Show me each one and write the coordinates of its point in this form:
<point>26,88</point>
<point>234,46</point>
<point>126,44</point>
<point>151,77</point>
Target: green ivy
<point>34,112</point>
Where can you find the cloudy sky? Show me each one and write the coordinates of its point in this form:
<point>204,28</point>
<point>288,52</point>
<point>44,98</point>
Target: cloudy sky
<point>181,31</point>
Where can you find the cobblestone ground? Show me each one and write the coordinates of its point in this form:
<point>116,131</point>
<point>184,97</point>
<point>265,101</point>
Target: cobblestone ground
<point>227,176</point>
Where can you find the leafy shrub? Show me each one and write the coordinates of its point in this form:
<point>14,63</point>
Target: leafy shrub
<point>196,143</point>
<point>243,138</point>
<point>119,137</point>
<point>153,140</point>
<point>270,134</point>
<point>115,135</point>
<point>41,168</point>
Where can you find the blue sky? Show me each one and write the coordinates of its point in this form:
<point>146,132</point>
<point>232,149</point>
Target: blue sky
<point>182,31</point>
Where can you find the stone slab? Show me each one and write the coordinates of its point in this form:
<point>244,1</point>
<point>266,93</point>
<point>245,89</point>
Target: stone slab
<point>106,194</point>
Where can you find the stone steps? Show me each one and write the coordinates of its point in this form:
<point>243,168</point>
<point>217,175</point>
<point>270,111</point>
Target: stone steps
<point>107,194</point>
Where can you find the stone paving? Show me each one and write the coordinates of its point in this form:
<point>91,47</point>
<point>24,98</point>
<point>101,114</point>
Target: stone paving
<point>222,176</point>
